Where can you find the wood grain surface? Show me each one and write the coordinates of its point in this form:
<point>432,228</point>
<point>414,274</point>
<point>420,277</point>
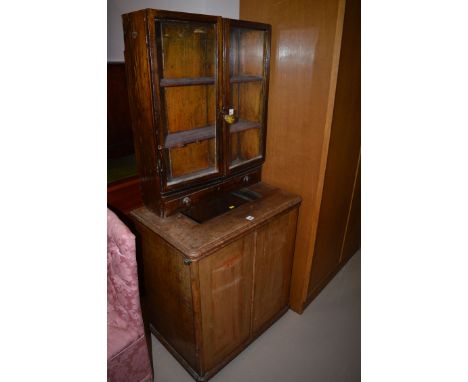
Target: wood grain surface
<point>343,153</point>
<point>206,309</point>
<point>306,38</point>
<point>197,240</point>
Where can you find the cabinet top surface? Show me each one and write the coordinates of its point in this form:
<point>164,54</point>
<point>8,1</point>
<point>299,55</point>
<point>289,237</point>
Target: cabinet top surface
<point>195,240</point>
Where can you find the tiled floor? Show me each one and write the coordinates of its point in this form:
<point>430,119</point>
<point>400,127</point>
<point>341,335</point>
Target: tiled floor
<point>323,344</point>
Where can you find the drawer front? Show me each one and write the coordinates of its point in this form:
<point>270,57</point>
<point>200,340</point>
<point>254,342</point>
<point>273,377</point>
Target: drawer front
<point>242,180</point>
<point>182,201</point>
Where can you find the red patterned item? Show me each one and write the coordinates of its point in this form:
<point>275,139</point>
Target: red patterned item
<point>127,352</point>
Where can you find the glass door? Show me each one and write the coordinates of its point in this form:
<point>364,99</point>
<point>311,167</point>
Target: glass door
<point>245,111</point>
<point>188,77</point>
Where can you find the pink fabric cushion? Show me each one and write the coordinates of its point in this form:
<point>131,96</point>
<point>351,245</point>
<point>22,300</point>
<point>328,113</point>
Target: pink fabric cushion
<point>127,354</point>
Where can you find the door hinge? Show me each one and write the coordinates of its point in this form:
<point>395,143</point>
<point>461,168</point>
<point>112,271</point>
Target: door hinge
<point>158,166</point>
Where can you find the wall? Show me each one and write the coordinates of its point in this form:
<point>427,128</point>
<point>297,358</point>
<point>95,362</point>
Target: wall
<point>115,9</point>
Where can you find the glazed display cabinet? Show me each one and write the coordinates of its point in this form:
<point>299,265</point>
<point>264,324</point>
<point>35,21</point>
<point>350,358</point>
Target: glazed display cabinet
<point>198,89</point>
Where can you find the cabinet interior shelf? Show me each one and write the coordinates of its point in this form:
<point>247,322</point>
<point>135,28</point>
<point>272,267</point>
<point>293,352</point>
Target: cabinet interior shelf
<point>168,82</point>
<point>182,138</point>
<point>242,125</point>
<point>238,79</point>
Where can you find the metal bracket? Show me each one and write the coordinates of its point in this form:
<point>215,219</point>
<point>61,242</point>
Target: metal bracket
<point>187,261</point>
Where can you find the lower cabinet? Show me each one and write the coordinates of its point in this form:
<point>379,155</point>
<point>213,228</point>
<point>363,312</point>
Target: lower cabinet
<point>212,288</point>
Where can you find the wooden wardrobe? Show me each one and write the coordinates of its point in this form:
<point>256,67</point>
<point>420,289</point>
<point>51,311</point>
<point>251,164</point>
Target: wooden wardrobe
<point>313,144</point>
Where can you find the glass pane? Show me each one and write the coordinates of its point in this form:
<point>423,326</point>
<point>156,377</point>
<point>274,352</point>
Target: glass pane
<point>245,146</point>
<point>188,88</point>
<point>189,49</point>
<point>246,52</point>
<point>190,107</point>
<point>192,160</point>
<point>190,132</point>
<point>246,67</point>
<point>247,100</point>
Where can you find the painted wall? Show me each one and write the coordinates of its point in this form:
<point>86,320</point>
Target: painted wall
<point>115,8</point>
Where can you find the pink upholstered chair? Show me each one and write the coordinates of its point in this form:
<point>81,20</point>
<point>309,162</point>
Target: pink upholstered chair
<point>127,351</point>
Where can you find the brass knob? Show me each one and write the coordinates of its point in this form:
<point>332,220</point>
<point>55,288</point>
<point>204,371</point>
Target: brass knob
<point>229,118</point>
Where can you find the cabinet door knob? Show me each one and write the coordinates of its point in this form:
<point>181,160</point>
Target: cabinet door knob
<point>186,201</point>
<point>229,119</point>
<point>229,116</point>
<point>246,178</point>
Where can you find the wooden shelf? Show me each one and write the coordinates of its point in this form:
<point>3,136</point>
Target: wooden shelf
<point>168,82</point>
<point>238,79</point>
<point>242,125</point>
<point>181,138</point>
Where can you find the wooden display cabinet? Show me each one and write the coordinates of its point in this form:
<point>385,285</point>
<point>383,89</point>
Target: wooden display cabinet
<point>212,288</point>
<point>198,89</point>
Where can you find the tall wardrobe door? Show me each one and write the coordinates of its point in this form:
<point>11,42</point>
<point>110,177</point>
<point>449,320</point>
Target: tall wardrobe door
<point>226,290</point>
<point>343,154</point>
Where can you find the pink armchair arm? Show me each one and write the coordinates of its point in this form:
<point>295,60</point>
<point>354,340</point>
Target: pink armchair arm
<point>127,353</point>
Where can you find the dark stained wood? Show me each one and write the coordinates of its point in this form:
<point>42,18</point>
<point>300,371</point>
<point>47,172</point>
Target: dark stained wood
<point>167,82</point>
<point>212,288</point>
<point>242,125</point>
<point>306,49</point>
<point>181,138</point>
<point>246,83</point>
<point>239,79</point>
<point>119,127</point>
<point>139,76</point>
<point>175,202</point>
<point>125,195</point>
<point>179,79</point>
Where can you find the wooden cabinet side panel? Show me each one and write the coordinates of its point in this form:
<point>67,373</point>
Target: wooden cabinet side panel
<point>168,294</point>
<point>273,265</point>
<point>140,96</point>
<point>225,291</point>
<point>343,154</point>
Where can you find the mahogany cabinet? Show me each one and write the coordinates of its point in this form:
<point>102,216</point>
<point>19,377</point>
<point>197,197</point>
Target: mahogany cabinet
<point>198,89</point>
<point>212,288</point>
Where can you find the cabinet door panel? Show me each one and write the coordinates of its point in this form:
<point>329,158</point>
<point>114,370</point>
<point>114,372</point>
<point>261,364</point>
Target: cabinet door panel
<point>273,266</point>
<point>247,48</point>
<point>225,290</point>
<point>187,79</point>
